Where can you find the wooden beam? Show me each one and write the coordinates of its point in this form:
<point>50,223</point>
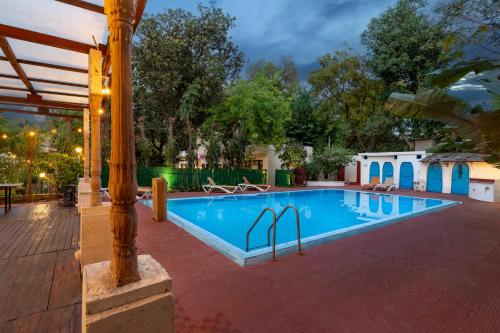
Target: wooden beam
<point>122,165</point>
<point>45,92</point>
<point>44,39</point>
<point>84,5</point>
<point>61,83</point>
<point>37,113</point>
<point>7,50</point>
<point>95,100</point>
<point>29,101</point>
<point>139,10</point>
<point>46,65</point>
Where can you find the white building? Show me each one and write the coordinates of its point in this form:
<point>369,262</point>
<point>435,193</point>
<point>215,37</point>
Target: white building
<point>457,173</point>
<point>403,167</point>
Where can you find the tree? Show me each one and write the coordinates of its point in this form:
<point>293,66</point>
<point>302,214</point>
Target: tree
<point>331,159</point>
<point>254,109</point>
<point>286,74</point>
<point>404,45</point>
<point>350,101</point>
<point>471,22</point>
<point>187,112</point>
<point>467,122</point>
<point>303,126</point>
<point>174,50</point>
<point>293,155</point>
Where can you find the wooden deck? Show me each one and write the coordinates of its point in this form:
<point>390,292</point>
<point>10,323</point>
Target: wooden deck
<point>40,286</point>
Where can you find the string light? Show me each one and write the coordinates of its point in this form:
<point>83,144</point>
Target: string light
<point>106,91</point>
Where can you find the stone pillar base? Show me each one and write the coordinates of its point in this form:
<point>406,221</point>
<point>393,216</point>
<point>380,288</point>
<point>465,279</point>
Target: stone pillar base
<point>84,192</point>
<point>143,306</point>
<point>96,238</point>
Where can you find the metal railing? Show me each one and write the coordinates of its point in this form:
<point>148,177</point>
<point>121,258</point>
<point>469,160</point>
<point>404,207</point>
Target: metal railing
<point>257,220</point>
<point>273,226</point>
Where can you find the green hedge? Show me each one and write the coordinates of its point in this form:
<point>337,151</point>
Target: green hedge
<point>191,179</point>
<point>283,178</point>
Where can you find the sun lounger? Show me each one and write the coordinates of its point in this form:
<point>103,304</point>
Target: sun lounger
<point>247,185</point>
<point>211,186</point>
<point>374,181</point>
<point>147,193</point>
<point>388,185</point>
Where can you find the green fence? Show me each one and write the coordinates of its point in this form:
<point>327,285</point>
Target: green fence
<point>192,179</point>
<point>283,178</point>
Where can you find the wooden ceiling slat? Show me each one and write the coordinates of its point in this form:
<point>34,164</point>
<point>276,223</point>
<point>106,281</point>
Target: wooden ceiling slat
<point>139,10</point>
<point>33,79</point>
<point>38,113</point>
<point>44,39</point>
<point>45,92</point>
<point>7,50</point>
<point>42,103</point>
<point>84,5</point>
<point>46,65</point>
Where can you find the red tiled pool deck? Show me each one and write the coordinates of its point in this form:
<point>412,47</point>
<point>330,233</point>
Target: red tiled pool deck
<point>438,272</point>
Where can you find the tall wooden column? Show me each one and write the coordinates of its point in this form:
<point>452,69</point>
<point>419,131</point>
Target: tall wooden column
<point>95,102</point>
<point>122,177</point>
<point>86,155</point>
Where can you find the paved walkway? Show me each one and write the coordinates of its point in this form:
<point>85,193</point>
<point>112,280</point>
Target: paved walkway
<point>40,288</point>
<point>435,273</point>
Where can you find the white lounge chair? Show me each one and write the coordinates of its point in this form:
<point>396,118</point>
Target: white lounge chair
<point>247,185</point>
<point>147,193</point>
<point>211,186</point>
<point>388,185</point>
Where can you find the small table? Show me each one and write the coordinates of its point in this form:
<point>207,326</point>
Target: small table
<point>7,188</point>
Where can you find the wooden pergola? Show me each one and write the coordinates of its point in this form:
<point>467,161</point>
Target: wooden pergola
<point>64,65</point>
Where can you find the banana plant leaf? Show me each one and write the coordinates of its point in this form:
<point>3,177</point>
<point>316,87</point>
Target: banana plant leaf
<point>445,77</point>
<point>467,122</point>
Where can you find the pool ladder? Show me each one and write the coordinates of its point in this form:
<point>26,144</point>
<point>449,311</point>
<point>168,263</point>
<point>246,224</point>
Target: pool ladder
<point>273,227</point>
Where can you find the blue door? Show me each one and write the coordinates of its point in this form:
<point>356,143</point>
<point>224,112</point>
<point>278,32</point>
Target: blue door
<point>460,179</point>
<point>434,178</point>
<point>374,171</point>
<point>387,171</point>
<point>406,175</point>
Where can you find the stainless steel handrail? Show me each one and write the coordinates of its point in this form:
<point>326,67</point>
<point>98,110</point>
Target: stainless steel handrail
<point>257,220</point>
<point>273,226</point>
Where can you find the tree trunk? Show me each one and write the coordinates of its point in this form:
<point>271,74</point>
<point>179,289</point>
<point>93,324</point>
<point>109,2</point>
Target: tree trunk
<point>122,179</point>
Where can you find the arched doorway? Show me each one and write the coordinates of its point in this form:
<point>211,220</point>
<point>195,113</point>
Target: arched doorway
<point>374,171</point>
<point>387,171</point>
<point>435,178</point>
<point>460,179</point>
<point>406,175</point>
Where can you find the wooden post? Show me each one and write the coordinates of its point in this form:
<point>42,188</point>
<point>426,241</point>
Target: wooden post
<point>69,134</point>
<point>159,199</point>
<point>86,155</point>
<point>122,177</point>
<point>95,102</point>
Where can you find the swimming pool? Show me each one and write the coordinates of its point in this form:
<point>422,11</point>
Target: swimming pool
<point>327,214</point>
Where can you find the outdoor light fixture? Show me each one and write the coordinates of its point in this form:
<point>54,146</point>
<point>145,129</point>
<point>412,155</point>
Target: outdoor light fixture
<point>32,133</point>
<point>4,136</point>
<point>78,150</point>
<point>42,175</point>
<point>106,91</point>
<point>79,130</point>
<point>101,111</point>
<point>53,131</point>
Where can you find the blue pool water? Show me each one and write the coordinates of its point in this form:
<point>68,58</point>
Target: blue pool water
<point>322,212</point>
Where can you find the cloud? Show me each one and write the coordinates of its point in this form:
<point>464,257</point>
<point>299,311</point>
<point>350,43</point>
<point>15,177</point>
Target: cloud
<point>306,30</point>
